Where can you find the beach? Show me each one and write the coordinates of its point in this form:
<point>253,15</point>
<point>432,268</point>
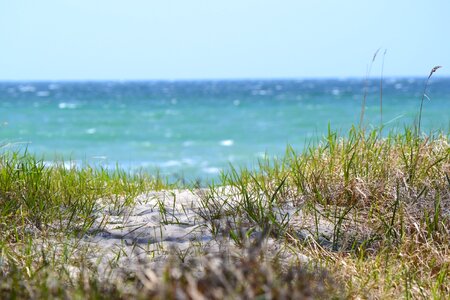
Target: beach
<point>348,218</point>
<point>224,189</point>
<point>209,150</point>
<point>171,223</point>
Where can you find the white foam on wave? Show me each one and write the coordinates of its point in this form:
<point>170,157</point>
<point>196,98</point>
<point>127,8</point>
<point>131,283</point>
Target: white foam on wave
<point>67,105</point>
<point>53,86</point>
<point>68,165</point>
<point>188,143</point>
<point>188,161</point>
<point>171,163</point>
<point>261,155</point>
<point>227,143</point>
<point>27,88</point>
<point>102,157</point>
<point>91,131</point>
<point>211,170</point>
<point>335,92</point>
<point>48,164</point>
<point>260,92</point>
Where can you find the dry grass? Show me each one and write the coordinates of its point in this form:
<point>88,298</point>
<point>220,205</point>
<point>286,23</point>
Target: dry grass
<point>374,210</point>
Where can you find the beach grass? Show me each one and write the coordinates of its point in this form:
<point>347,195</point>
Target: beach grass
<point>354,216</point>
<point>374,210</point>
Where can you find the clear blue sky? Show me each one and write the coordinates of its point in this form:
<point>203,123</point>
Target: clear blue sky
<point>211,39</point>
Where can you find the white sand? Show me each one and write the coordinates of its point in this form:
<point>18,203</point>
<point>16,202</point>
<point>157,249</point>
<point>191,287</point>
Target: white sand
<point>129,238</point>
<point>143,236</point>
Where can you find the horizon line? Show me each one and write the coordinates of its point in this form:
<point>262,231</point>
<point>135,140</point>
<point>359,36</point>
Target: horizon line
<point>227,79</point>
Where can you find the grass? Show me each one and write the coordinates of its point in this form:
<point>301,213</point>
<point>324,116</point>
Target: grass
<point>425,95</point>
<point>369,213</point>
<point>355,216</point>
<point>385,202</point>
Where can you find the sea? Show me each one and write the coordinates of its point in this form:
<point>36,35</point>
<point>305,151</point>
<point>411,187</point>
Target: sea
<point>192,130</point>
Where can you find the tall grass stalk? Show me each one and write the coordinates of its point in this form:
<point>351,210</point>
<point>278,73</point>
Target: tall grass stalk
<point>425,95</point>
<point>381,91</point>
<point>366,87</point>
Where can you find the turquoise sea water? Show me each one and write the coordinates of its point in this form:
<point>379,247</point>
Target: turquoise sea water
<point>195,128</point>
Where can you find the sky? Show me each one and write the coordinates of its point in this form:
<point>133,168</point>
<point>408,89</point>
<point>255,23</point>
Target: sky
<point>212,39</point>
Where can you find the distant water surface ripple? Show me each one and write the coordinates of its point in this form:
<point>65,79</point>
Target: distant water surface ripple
<point>194,129</point>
